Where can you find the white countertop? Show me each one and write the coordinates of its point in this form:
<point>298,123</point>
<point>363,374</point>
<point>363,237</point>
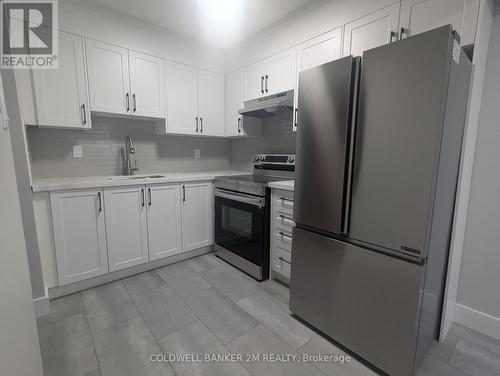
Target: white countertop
<point>287,185</point>
<point>53,184</point>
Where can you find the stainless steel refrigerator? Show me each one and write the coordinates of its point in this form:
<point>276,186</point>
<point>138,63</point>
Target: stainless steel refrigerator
<point>378,153</point>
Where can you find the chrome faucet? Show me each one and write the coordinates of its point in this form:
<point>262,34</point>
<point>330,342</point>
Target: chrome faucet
<point>129,150</point>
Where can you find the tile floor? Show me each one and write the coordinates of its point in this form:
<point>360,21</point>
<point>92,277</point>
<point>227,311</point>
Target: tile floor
<point>204,305</point>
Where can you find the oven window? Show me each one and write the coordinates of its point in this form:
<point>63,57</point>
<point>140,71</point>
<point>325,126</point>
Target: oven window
<point>239,228</point>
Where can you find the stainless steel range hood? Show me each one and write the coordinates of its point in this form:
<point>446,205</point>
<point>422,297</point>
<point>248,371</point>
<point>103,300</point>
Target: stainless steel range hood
<point>273,105</point>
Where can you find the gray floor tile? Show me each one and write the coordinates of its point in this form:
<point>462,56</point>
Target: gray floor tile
<point>220,314</point>
<point>163,311</point>
<point>443,350</point>
<point>96,372</point>
<point>487,343</point>
<point>276,289</point>
<point>231,282</point>
<point>61,308</point>
<point>175,271</point>
<point>66,347</point>
<point>341,364</point>
<point>189,285</point>
<point>261,340</point>
<point>203,262</point>
<point>196,339</point>
<point>142,282</point>
<point>474,360</point>
<point>267,310</point>
<point>432,366</point>
<point>125,349</point>
<point>108,305</point>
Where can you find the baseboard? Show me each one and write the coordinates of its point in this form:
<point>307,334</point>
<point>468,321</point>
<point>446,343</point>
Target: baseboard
<point>41,305</point>
<point>479,321</point>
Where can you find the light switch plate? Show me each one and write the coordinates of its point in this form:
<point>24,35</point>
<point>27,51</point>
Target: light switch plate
<point>77,151</point>
<point>196,153</point>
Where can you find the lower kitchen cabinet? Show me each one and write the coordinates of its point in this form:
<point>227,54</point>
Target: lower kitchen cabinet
<point>126,226</point>
<point>79,234</point>
<point>197,215</point>
<point>164,221</point>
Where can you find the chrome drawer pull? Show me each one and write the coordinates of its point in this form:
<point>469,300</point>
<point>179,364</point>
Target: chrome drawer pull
<point>285,217</point>
<point>283,235</point>
<point>282,259</point>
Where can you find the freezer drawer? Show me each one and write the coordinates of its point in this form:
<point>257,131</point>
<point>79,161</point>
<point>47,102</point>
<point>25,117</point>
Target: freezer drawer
<point>366,301</point>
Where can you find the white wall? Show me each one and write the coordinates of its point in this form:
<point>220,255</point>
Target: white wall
<point>479,284</point>
<point>19,348</point>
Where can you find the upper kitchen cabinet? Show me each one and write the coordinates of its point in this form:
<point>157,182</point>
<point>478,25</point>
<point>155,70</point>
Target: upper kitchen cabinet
<point>123,81</point>
<point>109,79</point>
<point>371,31</point>
<point>270,76</point>
<point>210,103</point>
<point>235,124</point>
<point>313,52</point>
<point>418,16</point>
<point>61,94</point>
<point>147,85</point>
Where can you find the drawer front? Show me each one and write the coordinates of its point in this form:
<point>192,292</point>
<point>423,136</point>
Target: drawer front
<point>282,235</point>
<point>283,217</point>
<point>282,201</point>
<point>282,260</point>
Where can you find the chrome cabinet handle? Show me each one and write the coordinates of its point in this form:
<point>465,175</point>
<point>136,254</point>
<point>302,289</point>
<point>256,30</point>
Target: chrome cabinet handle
<point>84,114</point>
<point>282,259</point>
<point>296,115</point>
<point>149,192</point>
<point>393,36</point>
<point>201,125</point>
<point>283,235</point>
<point>266,82</point>
<point>196,124</point>
<point>134,102</point>
<point>283,200</point>
<point>142,193</point>
<point>183,193</point>
<point>99,200</point>
<point>262,84</point>
<point>403,31</point>
<point>127,100</point>
<point>239,122</point>
<point>285,217</point>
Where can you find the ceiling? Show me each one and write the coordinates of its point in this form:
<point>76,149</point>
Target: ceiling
<point>222,23</point>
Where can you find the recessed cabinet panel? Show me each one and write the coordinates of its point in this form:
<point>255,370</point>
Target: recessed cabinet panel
<point>164,221</point>
<point>147,85</point>
<point>254,81</point>
<point>109,79</point>
<point>371,31</point>
<point>61,94</point>
<point>279,72</point>
<point>182,106</point>
<point>79,234</point>
<point>126,226</point>
<point>210,103</point>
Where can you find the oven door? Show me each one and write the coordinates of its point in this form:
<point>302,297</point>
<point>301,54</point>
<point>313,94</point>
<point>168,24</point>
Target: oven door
<point>240,224</point>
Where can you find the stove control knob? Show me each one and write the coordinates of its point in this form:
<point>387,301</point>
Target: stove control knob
<point>262,158</point>
<point>256,158</point>
<point>291,159</point>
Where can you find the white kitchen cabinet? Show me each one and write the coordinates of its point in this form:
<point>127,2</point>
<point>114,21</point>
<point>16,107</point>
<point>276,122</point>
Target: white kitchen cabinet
<point>371,31</point>
<point>210,103</point>
<point>182,100</point>
<point>164,221</point>
<point>126,226</point>
<point>147,85</point>
<point>235,124</point>
<point>61,94</point>
<point>314,52</point>
<point>270,76</point>
<point>79,234</point>
<point>109,79</point>
<point>197,215</point>
<point>418,16</point>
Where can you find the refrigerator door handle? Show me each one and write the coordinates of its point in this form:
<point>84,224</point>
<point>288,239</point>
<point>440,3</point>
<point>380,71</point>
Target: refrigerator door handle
<point>350,147</point>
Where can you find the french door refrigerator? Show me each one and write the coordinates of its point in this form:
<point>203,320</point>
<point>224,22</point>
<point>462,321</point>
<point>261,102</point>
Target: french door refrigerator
<point>377,161</point>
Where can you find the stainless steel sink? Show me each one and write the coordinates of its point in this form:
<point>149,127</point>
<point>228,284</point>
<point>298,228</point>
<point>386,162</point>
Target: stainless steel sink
<point>137,177</point>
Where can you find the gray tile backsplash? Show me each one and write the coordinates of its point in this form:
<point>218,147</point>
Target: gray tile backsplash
<point>103,149</point>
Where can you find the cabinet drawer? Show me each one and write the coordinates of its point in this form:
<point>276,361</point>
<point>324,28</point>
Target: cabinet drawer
<point>282,236</point>
<point>282,260</point>
<point>282,201</point>
<point>283,217</point>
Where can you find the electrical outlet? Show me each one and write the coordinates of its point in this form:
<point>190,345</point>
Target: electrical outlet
<point>196,153</point>
<point>77,151</point>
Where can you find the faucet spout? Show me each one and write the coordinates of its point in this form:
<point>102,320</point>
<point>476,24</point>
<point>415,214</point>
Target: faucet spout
<point>130,150</point>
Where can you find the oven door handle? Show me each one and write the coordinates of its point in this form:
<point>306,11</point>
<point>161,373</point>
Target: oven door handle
<point>255,201</point>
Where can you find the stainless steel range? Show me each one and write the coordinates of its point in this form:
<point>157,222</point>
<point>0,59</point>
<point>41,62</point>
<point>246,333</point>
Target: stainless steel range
<point>242,213</point>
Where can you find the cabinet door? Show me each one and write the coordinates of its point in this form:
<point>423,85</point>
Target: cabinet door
<point>320,50</point>
<point>182,106</point>
<point>254,81</point>
<point>280,72</point>
<point>61,94</point>
<point>126,226</point>
<point>147,85</point>
<point>164,221</point>
<point>109,79</point>
<point>371,31</point>
<point>418,16</point>
<point>197,215</point>
<point>79,235</point>
<point>211,103</point>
